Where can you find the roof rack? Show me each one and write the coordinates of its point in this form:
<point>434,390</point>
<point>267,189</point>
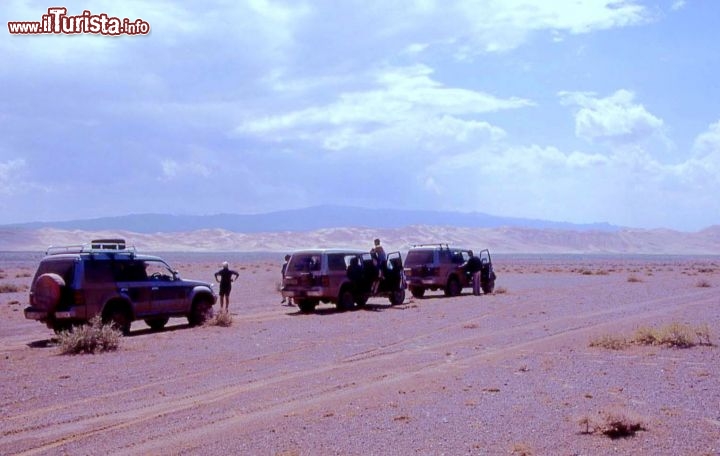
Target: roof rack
<point>95,246</point>
<point>441,245</point>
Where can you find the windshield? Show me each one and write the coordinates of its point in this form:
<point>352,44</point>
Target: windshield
<point>419,258</point>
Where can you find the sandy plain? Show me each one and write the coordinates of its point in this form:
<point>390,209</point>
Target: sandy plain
<point>507,373</point>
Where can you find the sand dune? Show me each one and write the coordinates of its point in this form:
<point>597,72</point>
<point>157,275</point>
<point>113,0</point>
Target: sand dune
<point>500,240</point>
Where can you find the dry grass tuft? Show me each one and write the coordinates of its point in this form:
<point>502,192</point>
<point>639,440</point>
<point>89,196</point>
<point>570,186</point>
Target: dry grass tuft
<point>11,288</point>
<point>92,338</point>
<point>609,341</point>
<point>676,335</point>
<point>521,449</point>
<point>634,279</point>
<point>616,423</point>
<point>222,318</point>
<point>500,290</point>
<point>703,284</point>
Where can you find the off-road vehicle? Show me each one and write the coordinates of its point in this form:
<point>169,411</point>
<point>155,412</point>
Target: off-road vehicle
<point>342,277</point>
<point>441,267</point>
<point>75,283</point>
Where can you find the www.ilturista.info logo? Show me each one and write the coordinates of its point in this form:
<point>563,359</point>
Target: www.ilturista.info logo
<point>56,21</point>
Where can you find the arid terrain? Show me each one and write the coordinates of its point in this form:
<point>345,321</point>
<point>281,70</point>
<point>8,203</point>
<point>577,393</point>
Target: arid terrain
<point>507,373</point>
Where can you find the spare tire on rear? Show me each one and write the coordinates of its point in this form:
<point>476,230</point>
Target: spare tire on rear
<point>47,291</point>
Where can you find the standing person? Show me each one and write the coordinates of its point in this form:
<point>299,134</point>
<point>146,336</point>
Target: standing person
<point>282,277</point>
<point>378,256</point>
<point>225,276</point>
<point>380,261</point>
<point>473,266</point>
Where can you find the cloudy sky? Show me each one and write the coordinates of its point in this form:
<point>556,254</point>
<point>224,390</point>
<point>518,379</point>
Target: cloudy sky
<point>583,111</point>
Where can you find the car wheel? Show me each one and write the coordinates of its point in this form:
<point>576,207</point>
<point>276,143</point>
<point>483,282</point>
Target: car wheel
<point>453,287</point>
<point>305,306</point>
<point>397,297</point>
<point>62,326</point>
<point>417,292</point>
<point>488,287</point>
<point>157,324</point>
<point>118,318</point>
<point>200,312</point>
<point>345,301</point>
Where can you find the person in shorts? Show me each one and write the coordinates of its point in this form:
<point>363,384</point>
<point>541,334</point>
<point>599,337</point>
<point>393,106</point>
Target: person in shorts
<point>225,277</point>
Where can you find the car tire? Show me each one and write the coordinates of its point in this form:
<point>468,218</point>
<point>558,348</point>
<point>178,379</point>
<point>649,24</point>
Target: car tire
<point>397,297</point>
<point>200,312</point>
<point>346,301</point>
<point>118,318</point>
<point>156,324</point>
<point>305,306</point>
<point>488,287</point>
<point>453,287</point>
<point>417,292</point>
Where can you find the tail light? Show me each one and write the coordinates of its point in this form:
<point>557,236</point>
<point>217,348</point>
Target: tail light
<point>79,298</point>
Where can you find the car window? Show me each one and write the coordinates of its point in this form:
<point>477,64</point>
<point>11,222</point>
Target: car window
<point>130,271</point>
<point>65,269</point>
<point>304,262</point>
<point>336,262</point>
<point>158,270</point>
<point>418,258</point>
<point>445,256</point>
<point>99,272</point>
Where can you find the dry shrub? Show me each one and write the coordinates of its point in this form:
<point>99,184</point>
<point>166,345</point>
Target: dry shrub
<point>222,318</point>
<point>676,335</point>
<point>609,341</point>
<point>521,449</point>
<point>615,423</point>
<point>500,290</point>
<point>10,288</point>
<point>634,279</point>
<point>91,338</point>
<point>703,284</point>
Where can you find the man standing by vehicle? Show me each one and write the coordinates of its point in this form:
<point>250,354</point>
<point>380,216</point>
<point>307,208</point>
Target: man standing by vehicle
<point>225,276</point>
<point>473,266</point>
<point>282,274</point>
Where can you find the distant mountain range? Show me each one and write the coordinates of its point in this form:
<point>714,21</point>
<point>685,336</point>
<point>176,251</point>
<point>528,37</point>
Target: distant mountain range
<point>307,219</point>
<point>337,226</point>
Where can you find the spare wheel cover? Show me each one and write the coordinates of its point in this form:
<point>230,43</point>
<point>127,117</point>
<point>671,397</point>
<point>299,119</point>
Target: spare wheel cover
<point>47,291</point>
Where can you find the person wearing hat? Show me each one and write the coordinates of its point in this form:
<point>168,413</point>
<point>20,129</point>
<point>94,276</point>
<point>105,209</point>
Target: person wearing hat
<point>225,276</point>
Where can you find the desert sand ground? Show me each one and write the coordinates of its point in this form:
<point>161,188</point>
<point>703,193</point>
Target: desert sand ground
<point>507,373</point>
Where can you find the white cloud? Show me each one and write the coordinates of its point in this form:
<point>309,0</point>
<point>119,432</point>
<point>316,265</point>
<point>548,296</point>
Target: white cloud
<point>173,169</point>
<point>406,106</point>
<point>614,118</point>
<point>10,180</point>
<point>502,26</point>
<point>678,5</point>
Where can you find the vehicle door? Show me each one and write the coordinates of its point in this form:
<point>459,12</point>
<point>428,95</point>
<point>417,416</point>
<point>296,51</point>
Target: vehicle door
<point>394,273</point>
<point>169,294</point>
<point>132,282</point>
